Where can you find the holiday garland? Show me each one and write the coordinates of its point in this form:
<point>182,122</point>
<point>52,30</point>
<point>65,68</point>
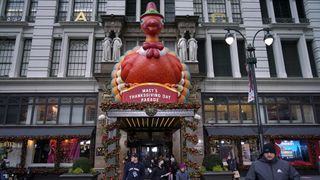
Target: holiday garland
<point>193,138</point>
<point>106,142</point>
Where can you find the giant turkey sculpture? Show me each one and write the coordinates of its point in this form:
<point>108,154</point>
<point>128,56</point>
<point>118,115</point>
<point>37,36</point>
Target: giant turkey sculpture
<point>151,63</point>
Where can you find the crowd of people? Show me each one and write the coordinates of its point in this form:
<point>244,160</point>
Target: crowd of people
<point>159,168</point>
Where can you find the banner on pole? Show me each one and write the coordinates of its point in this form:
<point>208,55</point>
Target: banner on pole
<point>250,84</point>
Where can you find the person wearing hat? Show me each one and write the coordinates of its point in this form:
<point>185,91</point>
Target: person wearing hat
<point>269,167</point>
<point>182,174</point>
<point>133,170</point>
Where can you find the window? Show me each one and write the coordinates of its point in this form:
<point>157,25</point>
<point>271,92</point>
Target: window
<point>311,58</point>
<point>14,10</point>
<point>301,11</point>
<point>264,12</point>
<point>55,61</point>
<point>227,109</point>
<point>102,7</point>
<point>13,110</point>
<point>197,8</point>
<point>242,57</point>
<point>84,6</point>
<point>170,44</point>
<point>236,11</point>
<point>169,11</point>
<point>77,57</point>
<point>291,58</point>
<point>271,61</point>
<point>288,110</point>
<point>131,10</point>
<point>25,58</point>
<point>144,5</point>
<point>33,10</point>
<point>202,56</point>
<point>221,58</point>
<point>246,148</point>
<point>11,151</point>
<point>64,110</point>
<point>282,11</point>
<point>98,56</point>
<point>217,11</point>
<point>44,151</point>
<point>6,53</point>
<point>74,148</point>
<point>63,10</point>
<point>295,151</point>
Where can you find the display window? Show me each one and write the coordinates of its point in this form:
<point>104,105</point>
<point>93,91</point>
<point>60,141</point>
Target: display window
<point>297,152</point>
<point>74,148</point>
<point>11,153</point>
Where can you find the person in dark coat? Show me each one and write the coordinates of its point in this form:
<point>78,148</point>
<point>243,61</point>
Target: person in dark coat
<point>269,167</point>
<point>133,170</point>
<point>159,172</point>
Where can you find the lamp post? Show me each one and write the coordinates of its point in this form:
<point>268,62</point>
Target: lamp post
<point>251,60</point>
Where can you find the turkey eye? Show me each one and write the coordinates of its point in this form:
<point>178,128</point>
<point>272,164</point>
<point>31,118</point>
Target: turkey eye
<point>162,21</point>
<point>141,21</point>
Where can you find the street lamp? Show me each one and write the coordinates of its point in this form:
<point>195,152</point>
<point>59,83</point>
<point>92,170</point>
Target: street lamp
<point>252,61</point>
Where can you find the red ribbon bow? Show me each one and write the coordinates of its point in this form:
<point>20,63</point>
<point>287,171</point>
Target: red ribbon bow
<point>153,49</point>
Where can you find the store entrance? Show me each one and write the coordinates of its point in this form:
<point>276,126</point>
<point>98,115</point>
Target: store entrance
<point>149,145</point>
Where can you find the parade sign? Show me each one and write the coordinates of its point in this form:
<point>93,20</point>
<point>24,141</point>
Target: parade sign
<point>150,92</point>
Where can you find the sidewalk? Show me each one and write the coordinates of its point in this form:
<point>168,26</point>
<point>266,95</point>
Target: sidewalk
<point>302,178</point>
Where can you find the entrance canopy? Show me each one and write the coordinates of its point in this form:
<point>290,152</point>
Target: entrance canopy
<point>150,122</point>
<point>150,119</point>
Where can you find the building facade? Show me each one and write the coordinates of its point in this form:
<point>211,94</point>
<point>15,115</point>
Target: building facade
<point>54,75</point>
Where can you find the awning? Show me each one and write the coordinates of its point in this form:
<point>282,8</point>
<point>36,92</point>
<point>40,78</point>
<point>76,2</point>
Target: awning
<point>231,130</point>
<point>35,131</point>
<point>274,130</point>
<point>292,130</point>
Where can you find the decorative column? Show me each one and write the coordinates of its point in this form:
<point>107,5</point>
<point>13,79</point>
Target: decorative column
<point>304,57</point>
<point>25,10</point>
<point>90,56</point>
<point>278,56</point>
<point>270,10</point>
<point>138,10</point>
<point>205,10</point>
<point>235,60</point>
<point>229,11</point>
<point>17,54</point>
<point>64,57</point>
<point>209,56</point>
<point>294,11</point>
<point>70,11</point>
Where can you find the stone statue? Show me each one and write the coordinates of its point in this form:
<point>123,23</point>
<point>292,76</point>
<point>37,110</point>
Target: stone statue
<point>116,45</point>
<point>106,45</point>
<point>182,49</point>
<point>193,48</point>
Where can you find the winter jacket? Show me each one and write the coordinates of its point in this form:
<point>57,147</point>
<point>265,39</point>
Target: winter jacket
<point>276,169</point>
<point>157,172</point>
<point>182,175</point>
<point>133,171</point>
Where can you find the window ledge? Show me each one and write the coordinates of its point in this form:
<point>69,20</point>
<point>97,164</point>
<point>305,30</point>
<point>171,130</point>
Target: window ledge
<point>13,23</point>
<point>41,165</point>
<point>290,25</point>
<point>75,23</point>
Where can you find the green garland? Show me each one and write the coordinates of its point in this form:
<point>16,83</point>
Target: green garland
<point>193,125</point>
<point>106,142</point>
